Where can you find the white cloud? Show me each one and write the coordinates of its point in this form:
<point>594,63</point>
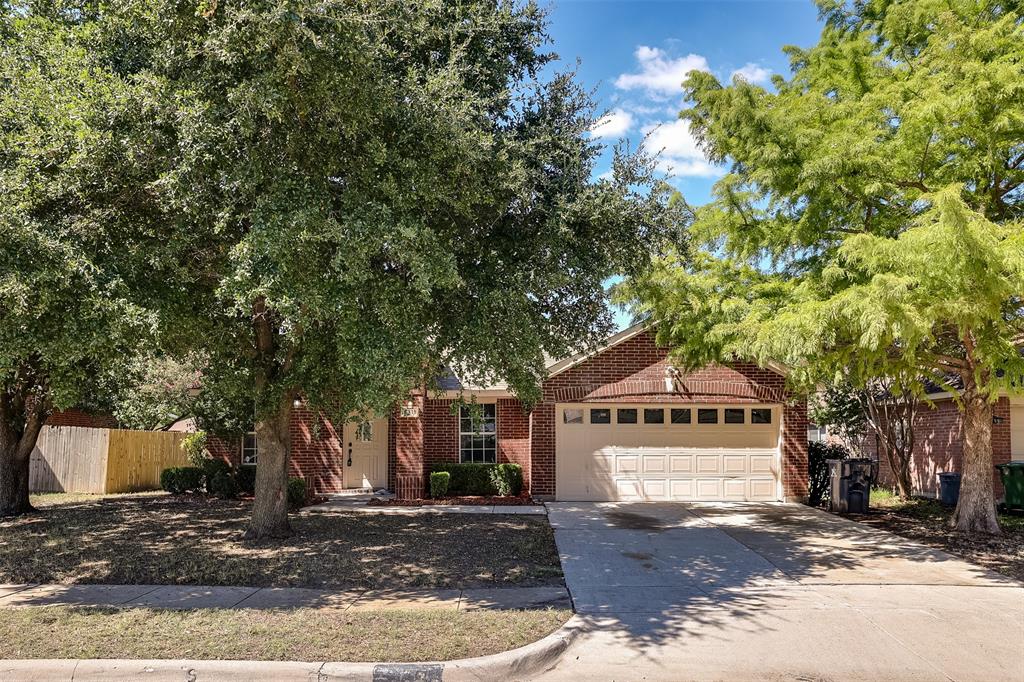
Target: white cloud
<point>677,150</point>
<point>752,73</point>
<point>613,124</point>
<point>659,74</point>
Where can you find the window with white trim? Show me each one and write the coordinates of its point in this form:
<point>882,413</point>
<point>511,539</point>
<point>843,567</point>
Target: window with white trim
<point>478,433</point>
<point>250,451</point>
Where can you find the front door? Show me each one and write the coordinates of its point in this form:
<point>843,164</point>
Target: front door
<point>366,454</point>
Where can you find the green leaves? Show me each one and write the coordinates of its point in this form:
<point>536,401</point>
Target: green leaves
<point>873,219</point>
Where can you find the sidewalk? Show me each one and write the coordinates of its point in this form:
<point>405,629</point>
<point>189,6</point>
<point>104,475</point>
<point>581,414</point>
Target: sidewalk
<point>201,597</point>
<point>358,503</point>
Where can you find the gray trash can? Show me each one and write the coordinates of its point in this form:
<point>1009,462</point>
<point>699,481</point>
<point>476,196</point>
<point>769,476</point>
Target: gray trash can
<point>949,487</point>
<point>851,481</point>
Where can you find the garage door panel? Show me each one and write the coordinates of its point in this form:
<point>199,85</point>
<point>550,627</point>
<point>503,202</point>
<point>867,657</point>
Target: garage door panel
<point>654,464</point>
<point>681,462</point>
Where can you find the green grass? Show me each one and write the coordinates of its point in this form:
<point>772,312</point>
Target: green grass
<point>298,635</point>
<point>159,539</point>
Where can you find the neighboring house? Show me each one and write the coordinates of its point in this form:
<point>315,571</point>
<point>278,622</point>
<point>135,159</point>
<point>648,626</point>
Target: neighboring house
<point>938,441</point>
<point>616,424</point>
<point>76,417</point>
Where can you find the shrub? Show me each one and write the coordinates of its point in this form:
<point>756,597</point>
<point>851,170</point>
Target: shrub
<point>818,454</point>
<point>439,481</point>
<point>296,493</point>
<point>482,479</point>
<point>194,445</point>
<point>246,478</point>
<point>468,478</point>
<point>178,480</point>
<point>507,479</point>
<point>222,485</point>
<point>213,468</point>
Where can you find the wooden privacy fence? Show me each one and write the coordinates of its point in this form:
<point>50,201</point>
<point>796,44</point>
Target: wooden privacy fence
<point>85,460</point>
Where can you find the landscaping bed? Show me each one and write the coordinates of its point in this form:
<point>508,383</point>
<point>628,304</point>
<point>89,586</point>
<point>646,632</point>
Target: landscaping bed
<point>160,539</point>
<point>479,500</point>
<point>927,521</point>
<point>297,635</point>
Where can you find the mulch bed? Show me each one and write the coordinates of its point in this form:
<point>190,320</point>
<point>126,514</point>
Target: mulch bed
<point>927,522</point>
<point>481,500</point>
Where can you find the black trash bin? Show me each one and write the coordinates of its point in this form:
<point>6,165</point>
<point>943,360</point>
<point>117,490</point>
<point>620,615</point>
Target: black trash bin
<point>851,485</point>
<point>949,487</point>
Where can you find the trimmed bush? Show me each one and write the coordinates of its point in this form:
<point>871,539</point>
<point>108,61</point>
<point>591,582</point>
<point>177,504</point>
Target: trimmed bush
<point>222,485</point>
<point>179,480</point>
<point>439,481</point>
<point>818,454</point>
<point>296,493</point>
<point>507,479</point>
<point>246,478</point>
<point>482,479</point>
<point>213,468</point>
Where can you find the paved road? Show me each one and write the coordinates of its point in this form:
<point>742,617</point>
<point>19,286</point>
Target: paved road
<point>776,592</point>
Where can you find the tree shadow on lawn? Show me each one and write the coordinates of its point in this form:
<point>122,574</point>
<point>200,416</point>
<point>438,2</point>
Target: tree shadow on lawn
<point>194,541</point>
<point>648,575</point>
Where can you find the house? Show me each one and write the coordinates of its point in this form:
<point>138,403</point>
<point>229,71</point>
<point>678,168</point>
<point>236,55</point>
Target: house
<point>619,423</point>
<point>938,441</point>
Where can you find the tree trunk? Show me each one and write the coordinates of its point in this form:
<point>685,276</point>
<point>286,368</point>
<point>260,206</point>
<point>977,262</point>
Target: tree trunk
<point>18,436</point>
<point>270,508</point>
<point>976,509</point>
<point>900,465</point>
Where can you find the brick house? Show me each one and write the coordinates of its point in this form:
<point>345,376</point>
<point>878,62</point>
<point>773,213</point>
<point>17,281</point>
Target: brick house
<point>938,442</point>
<point>618,423</point>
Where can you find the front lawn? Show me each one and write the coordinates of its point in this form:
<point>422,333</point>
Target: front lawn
<point>193,541</point>
<point>299,635</point>
<point>927,521</point>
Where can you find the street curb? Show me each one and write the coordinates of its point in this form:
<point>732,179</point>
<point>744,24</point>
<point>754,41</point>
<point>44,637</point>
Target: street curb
<point>516,664</point>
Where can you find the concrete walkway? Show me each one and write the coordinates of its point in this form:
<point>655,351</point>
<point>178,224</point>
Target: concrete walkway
<point>774,592</point>
<point>198,597</point>
<point>358,503</point>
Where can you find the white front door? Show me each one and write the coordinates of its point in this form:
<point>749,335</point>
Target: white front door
<point>366,454</point>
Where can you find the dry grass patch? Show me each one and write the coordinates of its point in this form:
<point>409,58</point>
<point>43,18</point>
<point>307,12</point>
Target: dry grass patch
<point>298,635</point>
<point>194,541</point>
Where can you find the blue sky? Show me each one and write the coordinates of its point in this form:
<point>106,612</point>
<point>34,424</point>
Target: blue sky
<point>636,53</point>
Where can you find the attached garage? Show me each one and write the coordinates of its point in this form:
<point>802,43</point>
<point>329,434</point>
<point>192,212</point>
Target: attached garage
<point>667,452</point>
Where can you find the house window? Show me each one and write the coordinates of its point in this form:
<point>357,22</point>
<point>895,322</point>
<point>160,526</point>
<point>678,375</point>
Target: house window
<point>761,415</point>
<point>734,415</point>
<point>626,416</point>
<point>654,416</point>
<point>572,416</point>
<point>478,433</point>
<point>601,416</point>
<point>680,415</point>
<point>364,432</point>
<point>249,450</point>
<point>705,416</point>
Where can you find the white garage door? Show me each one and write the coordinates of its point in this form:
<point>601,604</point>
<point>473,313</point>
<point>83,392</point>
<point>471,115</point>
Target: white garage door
<point>1017,433</point>
<point>663,452</point>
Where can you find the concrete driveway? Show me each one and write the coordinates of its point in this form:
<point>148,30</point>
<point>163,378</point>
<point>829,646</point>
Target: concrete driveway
<point>774,592</point>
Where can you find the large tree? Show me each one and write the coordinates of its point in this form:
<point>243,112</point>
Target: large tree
<point>363,192</point>
<point>67,317</point>
<point>870,224</point>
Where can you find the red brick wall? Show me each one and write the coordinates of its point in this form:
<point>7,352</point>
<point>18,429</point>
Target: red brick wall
<point>634,370</point>
<point>76,417</point>
<point>318,451</point>
<point>409,471</point>
<point>514,436</point>
<point>938,446</point>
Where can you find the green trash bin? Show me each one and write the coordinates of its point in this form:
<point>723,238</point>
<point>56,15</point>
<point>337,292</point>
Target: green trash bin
<point>1012,474</point>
